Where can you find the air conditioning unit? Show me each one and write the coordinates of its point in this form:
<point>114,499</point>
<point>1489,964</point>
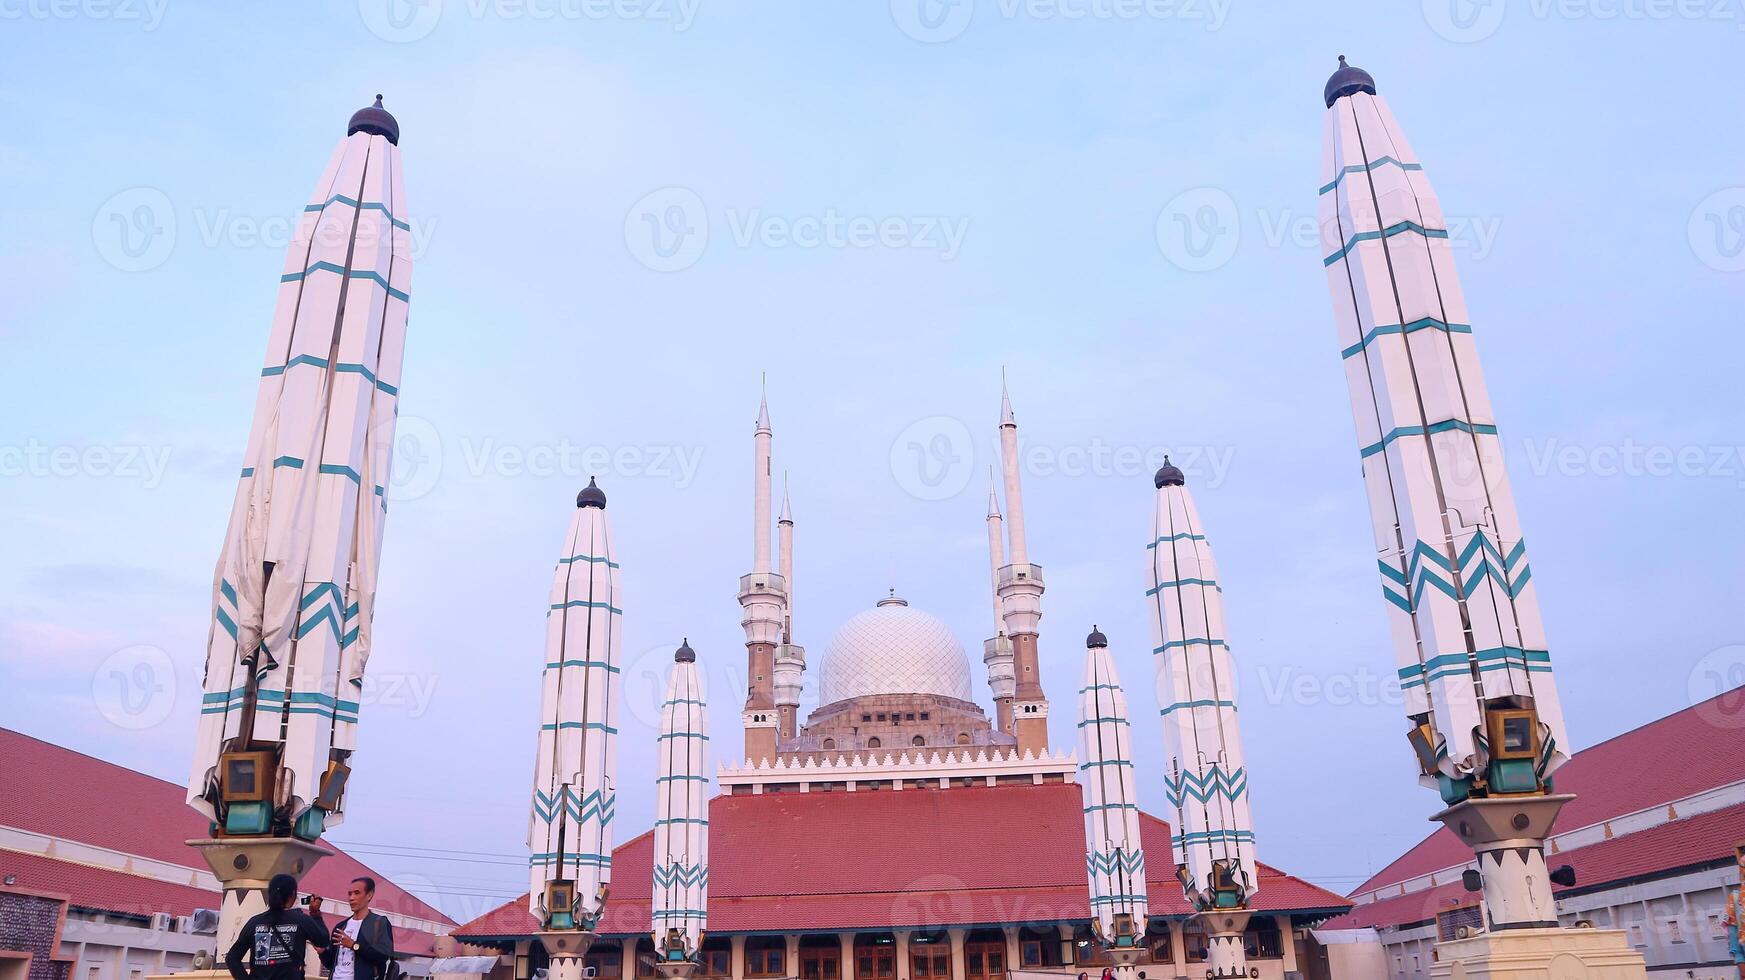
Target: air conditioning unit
<point>184,923</point>
<point>160,921</point>
<point>203,922</point>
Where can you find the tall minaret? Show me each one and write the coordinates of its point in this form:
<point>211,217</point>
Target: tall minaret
<point>1020,590</point>
<point>997,650</point>
<point>1196,687</point>
<point>1483,713</point>
<point>790,657</point>
<point>575,789</point>
<point>763,596</point>
<point>294,591</point>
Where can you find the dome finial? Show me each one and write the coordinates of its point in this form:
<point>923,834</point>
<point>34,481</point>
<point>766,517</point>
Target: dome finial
<point>893,599</point>
<point>591,496</point>
<point>1169,475</point>
<point>1096,639</point>
<point>375,121</point>
<point>1347,81</point>
<point>684,654</point>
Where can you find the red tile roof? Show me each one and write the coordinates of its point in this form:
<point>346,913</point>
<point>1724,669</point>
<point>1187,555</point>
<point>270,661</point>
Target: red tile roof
<point>50,790</point>
<point>793,862</point>
<point>1630,772</point>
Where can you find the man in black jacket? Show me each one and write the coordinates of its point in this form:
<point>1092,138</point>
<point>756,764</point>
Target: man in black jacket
<point>363,944</point>
<point>273,940</point>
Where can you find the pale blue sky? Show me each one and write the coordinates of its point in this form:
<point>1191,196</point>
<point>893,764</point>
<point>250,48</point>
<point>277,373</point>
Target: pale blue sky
<point>1023,178</point>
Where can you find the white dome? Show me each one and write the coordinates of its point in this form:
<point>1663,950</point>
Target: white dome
<point>893,649</point>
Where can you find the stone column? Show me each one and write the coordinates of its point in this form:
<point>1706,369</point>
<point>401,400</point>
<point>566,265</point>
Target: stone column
<point>959,970</point>
<point>792,965</point>
<point>736,958</point>
<point>1178,949</point>
<point>1068,948</point>
<point>902,968</point>
<point>1288,941</point>
<point>1012,952</point>
<point>847,955</point>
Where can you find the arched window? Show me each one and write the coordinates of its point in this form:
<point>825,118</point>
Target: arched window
<point>830,743</point>
<point>963,738</point>
<point>873,743</point>
<point>917,740</point>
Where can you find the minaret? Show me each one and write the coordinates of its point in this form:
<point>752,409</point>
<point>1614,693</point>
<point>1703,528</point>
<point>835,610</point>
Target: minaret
<point>997,650</point>
<point>1483,713</point>
<point>293,594</point>
<point>680,907</point>
<point>1020,590</point>
<point>1196,688</point>
<point>790,657</point>
<point>1115,859</point>
<point>763,596</point>
<point>575,789</point>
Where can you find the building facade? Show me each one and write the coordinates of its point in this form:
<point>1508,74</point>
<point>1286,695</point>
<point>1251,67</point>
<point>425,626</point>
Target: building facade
<point>127,890</point>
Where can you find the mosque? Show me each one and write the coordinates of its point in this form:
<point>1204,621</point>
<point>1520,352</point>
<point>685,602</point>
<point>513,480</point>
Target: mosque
<point>899,831</point>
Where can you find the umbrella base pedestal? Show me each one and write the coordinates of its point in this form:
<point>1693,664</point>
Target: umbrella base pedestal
<point>1539,954</point>
<point>242,866</point>
<point>676,969</point>
<point>566,948</point>
<point>1225,957</point>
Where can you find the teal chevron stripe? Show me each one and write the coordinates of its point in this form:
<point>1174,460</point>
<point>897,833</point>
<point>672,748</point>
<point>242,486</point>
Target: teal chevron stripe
<point>247,471</point>
<point>558,664</point>
<point>1106,762</point>
<point>1206,703</point>
<point>278,369</point>
<point>1099,721</point>
<point>666,735</point>
<point>1214,782</point>
<point>674,701</point>
<point>1183,536</point>
<point>315,594</point>
<point>1446,425</point>
<point>1425,323</point>
<point>225,621</point>
<point>1192,641</point>
<point>550,858</point>
<point>324,266</point>
<point>586,604</point>
<point>343,367</point>
<point>1358,168</point>
<point>336,469</point>
<point>289,462</point>
<point>1095,807</point>
<point>666,875</point>
<point>1178,583</point>
<point>1099,687</point>
<point>595,726</point>
<point>1388,232</point>
<point>365,206</point>
<point>587,558</point>
<point>1214,837</point>
<point>1460,664</point>
<point>1116,899</point>
<point>669,821</point>
<point>227,590</point>
<point>681,779</point>
<point>681,914</point>
<point>1116,861</point>
<point>302,703</point>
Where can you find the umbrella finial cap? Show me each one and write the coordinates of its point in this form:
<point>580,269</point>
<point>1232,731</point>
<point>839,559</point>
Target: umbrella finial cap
<point>1347,80</point>
<point>591,496</point>
<point>1169,475</point>
<point>376,121</point>
<point>1096,639</point>
<point>684,654</point>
